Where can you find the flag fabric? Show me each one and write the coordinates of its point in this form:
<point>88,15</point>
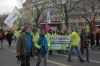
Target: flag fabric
<point>62,15</point>
<point>48,18</point>
<point>19,21</point>
<point>32,17</point>
<point>87,27</point>
<point>12,17</point>
<point>94,24</point>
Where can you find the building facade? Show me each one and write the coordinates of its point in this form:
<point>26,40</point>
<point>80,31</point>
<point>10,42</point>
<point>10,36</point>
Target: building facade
<point>75,16</point>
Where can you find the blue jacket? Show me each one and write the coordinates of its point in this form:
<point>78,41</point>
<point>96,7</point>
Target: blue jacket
<point>28,42</point>
<point>43,43</point>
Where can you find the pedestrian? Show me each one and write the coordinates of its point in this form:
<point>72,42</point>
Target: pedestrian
<point>1,37</point>
<point>24,46</point>
<point>92,37</point>
<point>33,47</point>
<point>85,43</point>
<point>97,40</point>
<point>49,34</point>
<point>42,44</point>
<point>9,37</point>
<point>74,44</point>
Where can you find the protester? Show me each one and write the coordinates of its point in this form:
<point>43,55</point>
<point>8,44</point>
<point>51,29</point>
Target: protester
<point>85,43</point>
<point>16,34</point>
<point>24,46</point>
<point>42,44</point>
<point>1,37</point>
<point>48,35</point>
<point>97,39</point>
<point>74,44</point>
<point>92,37</point>
<point>9,37</point>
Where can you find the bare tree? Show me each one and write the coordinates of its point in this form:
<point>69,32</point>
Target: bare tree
<point>40,12</point>
<point>89,8</point>
<point>67,8</point>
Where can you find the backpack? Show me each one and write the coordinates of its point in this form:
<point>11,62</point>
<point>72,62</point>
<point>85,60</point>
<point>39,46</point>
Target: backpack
<point>1,35</point>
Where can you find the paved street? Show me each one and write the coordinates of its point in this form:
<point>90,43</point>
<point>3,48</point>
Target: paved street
<point>8,58</point>
<point>65,24</point>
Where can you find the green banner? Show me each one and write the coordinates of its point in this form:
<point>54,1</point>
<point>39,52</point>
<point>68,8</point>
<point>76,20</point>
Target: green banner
<point>58,42</point>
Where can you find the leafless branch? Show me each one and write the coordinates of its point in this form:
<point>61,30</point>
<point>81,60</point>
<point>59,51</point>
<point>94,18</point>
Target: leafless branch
<point>67,2</point>
<point>74,6</point>
<point>57,5</point>
<point>37,6</point>
<point>45,16</point>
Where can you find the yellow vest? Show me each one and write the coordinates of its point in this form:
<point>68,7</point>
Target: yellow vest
<point>74,39</point>
<point>36,38</point>
<point>16,34</point>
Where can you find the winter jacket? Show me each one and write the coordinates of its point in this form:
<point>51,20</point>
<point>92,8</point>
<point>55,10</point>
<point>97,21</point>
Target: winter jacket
<point>36,41</point>
<point>21,44</point>
<point>74,39</point>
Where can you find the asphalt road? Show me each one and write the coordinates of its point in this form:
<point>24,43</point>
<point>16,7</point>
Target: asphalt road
<point>8,58</point>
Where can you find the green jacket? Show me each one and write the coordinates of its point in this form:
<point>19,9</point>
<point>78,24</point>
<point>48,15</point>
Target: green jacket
<point>16,34</point>
<point>36,38</point>
<point>74,39</point>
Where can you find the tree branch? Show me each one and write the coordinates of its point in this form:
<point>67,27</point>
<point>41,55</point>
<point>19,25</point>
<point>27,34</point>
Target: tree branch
<point>74,6</point>
<point>87,20</point>
<point>56,5</point>
<point>66,1</point>
<point>37,6</point>
<point>45,17</point>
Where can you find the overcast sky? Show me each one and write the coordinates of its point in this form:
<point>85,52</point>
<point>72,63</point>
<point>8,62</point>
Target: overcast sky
<point>6,6</point>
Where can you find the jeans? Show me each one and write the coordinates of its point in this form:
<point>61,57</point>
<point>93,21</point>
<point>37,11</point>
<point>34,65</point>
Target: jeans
<point>78,51</point>
<point>40,59</point>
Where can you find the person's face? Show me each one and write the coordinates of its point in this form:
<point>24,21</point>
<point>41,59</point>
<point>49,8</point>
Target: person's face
<point>42,31</point>
<point>28,29</point>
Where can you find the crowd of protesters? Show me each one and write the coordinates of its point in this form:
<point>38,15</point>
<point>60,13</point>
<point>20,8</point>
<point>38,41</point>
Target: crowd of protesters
<point>31,42</point>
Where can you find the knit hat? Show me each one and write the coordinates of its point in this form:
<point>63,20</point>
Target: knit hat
<point>26,26</point>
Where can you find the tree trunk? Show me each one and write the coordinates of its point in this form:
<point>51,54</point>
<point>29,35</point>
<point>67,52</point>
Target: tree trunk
<point>36,23</point>
<point>66,21</point>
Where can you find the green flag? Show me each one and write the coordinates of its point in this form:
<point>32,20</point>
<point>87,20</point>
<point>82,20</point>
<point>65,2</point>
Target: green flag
<point>32,16</point>
<point>62,15</point>
<point>87,27</point>
<point>18,22</point>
